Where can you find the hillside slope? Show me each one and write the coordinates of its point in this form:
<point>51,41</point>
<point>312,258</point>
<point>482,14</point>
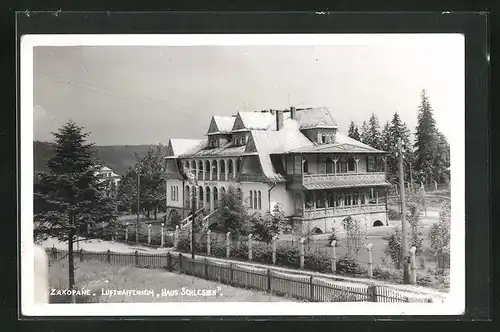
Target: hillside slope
<point>117,157</point>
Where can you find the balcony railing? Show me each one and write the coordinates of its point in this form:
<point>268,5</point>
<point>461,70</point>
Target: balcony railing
<point>342,210</point>
<point>251,177</point>
<point>326,178</point>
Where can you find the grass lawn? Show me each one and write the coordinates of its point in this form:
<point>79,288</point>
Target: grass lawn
<point>99,277</point>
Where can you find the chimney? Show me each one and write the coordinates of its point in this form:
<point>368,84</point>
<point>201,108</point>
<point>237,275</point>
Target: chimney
<point>293,113</point>
<point>279,120</point>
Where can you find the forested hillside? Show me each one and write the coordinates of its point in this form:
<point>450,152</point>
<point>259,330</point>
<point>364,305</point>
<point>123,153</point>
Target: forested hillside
<point>117,157</point>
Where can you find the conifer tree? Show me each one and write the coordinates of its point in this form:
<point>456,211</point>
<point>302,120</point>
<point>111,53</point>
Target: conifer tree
<point>353,131</point>
<point>373,135</point>
<point>363,135</point>
<point>71,199</point>
<point>426,145</point>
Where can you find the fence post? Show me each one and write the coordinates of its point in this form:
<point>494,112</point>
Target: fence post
<point>370,260</point>
<point>169,263</point>
<point>231,273</point>
<point>176,236</point>
<point>136,258</point>
<point>301,251</point>
<point>249,247</point>
<point>269,280</point>
<point>126,234</point>
<point>274,248</point>
<point>109,256</point>
<point>205,267</point>
<point>180,262</point>
<point>162,236</point>
<point>208,242</point>
<point>334,256</point>
<point>372,293</point>
<point>311,287</point>
<point>228,243</point>
<point>413,265</point>
<point>149,234</point>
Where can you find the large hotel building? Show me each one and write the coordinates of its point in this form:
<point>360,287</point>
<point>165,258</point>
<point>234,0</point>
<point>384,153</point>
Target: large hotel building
<point>296,158</point>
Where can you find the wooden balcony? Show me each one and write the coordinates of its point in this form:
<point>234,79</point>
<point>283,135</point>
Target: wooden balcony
<point>251,178</point>
<point>337,180</point>
<point>341,211</point>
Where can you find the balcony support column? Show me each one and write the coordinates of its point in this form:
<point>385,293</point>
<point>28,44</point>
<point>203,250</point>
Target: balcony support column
<point>234,168</point>
<point>357,164</point>
<point>335,165</point>
<point>226,169</point>
<point>217,162</point>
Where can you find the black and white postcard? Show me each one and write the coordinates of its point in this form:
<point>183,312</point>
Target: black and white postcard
<point>243,175</point>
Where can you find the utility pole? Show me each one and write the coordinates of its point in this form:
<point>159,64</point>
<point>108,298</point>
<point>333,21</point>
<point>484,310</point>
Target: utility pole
<point>193,180</point>
<point>138,205</point>
<point>406,257</point>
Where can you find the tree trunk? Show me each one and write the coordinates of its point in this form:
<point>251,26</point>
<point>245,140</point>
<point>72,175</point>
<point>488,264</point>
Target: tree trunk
<point>155,211</point>
<point>71,263</point>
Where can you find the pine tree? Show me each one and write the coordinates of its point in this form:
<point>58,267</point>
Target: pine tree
<point>386,137</point>
<point>71,199</point>
<point>373,135</point>
<point>397,129</point>
<point>363,135</point>
<point>442,159</point>
<point>426,145</point>
<point>353,131</point>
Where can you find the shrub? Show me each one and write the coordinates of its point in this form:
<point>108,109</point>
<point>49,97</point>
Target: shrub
<point>394,248</point>
<point>347,265</point>
<point>392,275</point>
<point>394,214</point>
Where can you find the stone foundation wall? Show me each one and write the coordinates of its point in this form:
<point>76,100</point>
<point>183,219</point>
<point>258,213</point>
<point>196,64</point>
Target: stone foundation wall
<point>326,224</point>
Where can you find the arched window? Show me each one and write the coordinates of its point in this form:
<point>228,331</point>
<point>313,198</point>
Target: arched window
<point>216,195</point>
<point>223,190</point>
<point>239,193</point>
<point>260,201</point>
<point>329,166</point>
<point>251,199</point>
<point>238,166</point>
<point>230,168</point>
<point>200,196</point>
<point>207,196</point>
<point>214,169</point>
<point>323,138</point>
<point>193,166</point>
<point>207,169</point>
<point>200,170</point>
<point>255,199</point>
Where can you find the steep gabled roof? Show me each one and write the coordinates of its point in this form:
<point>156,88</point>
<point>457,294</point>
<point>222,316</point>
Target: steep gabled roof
<point>221,125</point>
<point>226,150</point>
<point>180,146</point>
<point>266,143</point>
<point>254,121</point>
<point>343,144</point>
<point>314,117</point>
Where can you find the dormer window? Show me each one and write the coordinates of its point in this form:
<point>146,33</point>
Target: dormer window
<point>324,138</point>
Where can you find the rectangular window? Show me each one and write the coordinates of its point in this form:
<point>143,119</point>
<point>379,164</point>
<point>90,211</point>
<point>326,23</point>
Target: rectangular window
<point>371,164</point>
<point>260,201</point>
<point>320,200</point>
<point>331,199</point>
<point>347,199</point>
<point>351,165</point>
<point>251,199</point>
<point>355,199</point>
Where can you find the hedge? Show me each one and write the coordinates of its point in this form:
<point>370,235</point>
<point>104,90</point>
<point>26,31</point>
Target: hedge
<point>287,257</point>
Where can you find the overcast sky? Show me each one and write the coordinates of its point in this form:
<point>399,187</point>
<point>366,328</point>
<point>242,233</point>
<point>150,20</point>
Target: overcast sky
<point>146,95</point>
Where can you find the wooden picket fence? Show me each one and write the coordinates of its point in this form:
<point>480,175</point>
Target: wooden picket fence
<point>299,286</point>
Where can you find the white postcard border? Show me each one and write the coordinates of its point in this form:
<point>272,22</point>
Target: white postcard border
<point>453,305</point>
